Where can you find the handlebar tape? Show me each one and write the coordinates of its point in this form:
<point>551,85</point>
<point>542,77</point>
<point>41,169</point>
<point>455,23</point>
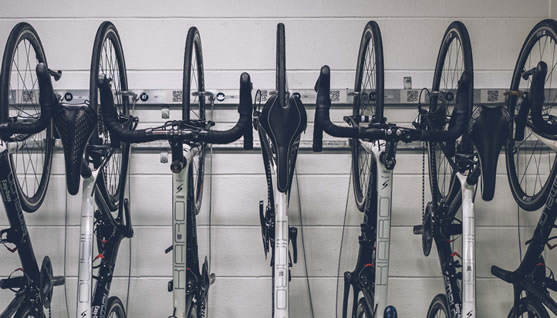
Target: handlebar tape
<point>537,99</point>
<point>110,117</point>
<point>317,130</point>
<point>47,101</point>
<point>460,116</point>
<point>145,135</point>
<point>322,116</point>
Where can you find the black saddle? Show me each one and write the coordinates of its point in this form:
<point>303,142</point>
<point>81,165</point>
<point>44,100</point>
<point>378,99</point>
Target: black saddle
<point>283,126</point>
<point>75,124</point>
<point>489,129</point>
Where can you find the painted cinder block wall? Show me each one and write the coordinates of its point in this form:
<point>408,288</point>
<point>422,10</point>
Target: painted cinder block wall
<point>239,36</point>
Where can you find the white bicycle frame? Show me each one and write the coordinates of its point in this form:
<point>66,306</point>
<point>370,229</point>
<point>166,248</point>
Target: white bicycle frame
<point>85,269</point>
<point>468,249</point>
<point>383,240</point>
<point>179,244</point>
<point>281,250</point>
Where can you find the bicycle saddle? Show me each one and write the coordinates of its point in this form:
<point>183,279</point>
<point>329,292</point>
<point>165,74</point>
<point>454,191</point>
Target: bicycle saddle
<point>489,128</point>
<point>75,124</point>
<point>283,126</point>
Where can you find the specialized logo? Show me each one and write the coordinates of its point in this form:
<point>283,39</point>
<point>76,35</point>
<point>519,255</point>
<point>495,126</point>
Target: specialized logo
<point>469,314</point>
<point>179,188</point>
<point>84,314</point>
<point>385,184</point>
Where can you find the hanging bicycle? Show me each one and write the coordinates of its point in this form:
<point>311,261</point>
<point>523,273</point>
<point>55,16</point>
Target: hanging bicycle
<point>188,138</point>
<point>531,167</point>
<point>26,146</point>
<point>280,124</point>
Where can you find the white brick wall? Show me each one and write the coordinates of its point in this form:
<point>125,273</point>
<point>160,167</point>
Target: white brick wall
<point>239,36</point>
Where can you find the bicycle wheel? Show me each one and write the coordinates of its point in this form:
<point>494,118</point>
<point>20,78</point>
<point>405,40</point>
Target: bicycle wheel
<point>531,165</point>
<point>193,109</point>
<point>529,309</point>
<point>368,103</point>
<point>439,307</point>
<point>115,308</point>
<point>282,90</point>
<point>108,59</point>
<point>454,59</point>
<point>363,311</point>
<point>31,160</point>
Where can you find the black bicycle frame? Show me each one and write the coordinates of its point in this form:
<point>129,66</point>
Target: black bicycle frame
<point>444,215</point>
<point>18,235</point>
<point>532,267</point>
<point>362,278</point>
<point>109,236</point>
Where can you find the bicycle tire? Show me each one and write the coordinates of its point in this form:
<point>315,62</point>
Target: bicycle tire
<point>23,158</point>
<point>193,69</point>
<point>438,304</point>
<point>373,106</point>
<point>282,91</point>
<point>526,199</point>
<point>115,308</point>
<point>530,307</point>
<point>440,153</point>
<point>111,179</point>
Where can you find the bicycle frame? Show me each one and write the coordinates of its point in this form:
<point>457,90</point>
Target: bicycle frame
<point>376,228</point>
<point>94,305</point>
<point>85,269</point>
<point>180,191</point>
<point>458,302</point>
<point>383,231</point>
<point>281,253</point>
<point>189,285</point>
<point>468,248</point>
<point>535,285</point>
<point>17,234</point>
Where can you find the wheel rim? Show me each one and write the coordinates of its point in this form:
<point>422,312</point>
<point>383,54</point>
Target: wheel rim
<point>29,158</point>
<point>196,112</point>
<point>363,166</point>
<point>452,62</point>
<point>532,161</point>
<point>111,64</point>
<point>365,106</point>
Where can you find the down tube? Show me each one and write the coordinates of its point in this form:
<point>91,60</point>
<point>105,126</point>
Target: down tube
<point>85,279</point>
<point>281,255</point>
<point>179,212</point>
<point>468,248</point>
<point>384,196</point>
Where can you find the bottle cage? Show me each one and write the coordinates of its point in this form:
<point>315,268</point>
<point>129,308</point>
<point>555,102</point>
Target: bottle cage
<point>74,124</point>
<point>283,127</point>
<point>489,128</point>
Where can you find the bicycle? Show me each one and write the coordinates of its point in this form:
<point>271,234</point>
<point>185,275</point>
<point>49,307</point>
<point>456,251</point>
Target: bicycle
<point>92,153</point>
<point>191,281</point>
<point>280,124</point>
<point>373,147</point>
<point>454,171</point>
<point>26,147</point>
<point>534,129</point>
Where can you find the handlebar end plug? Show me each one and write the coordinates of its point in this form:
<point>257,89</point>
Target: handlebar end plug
<point>176,166</point>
